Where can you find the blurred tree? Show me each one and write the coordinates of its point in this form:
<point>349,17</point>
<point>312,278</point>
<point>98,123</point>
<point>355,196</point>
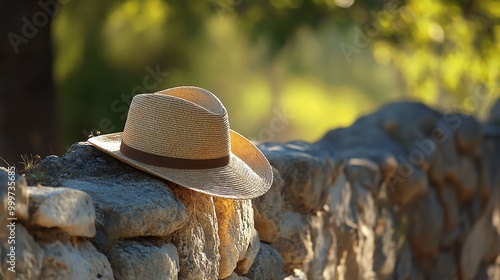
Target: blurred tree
<point>28,107</point>
<point>346,55</point>
<point>444,49</point>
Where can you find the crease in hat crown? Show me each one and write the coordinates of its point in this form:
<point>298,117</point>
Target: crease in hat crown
<point>182,122</point>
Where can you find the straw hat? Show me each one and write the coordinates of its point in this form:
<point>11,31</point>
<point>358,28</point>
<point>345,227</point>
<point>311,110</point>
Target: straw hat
<point>182,135</point>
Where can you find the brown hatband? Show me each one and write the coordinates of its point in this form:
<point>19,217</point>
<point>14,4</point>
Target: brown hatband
<point>171,162</point>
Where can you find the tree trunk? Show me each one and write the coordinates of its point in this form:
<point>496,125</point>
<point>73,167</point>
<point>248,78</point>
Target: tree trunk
<point>28,104</point>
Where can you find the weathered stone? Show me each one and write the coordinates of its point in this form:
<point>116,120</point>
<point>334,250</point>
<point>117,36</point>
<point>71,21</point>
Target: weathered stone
<point>385,253</point>
<point>68,209</point>
<point>484,174</point>
<point>294,243</point>
<point>417,114</point>
<point>445,267</point>
<point>449,200</point>
<point>13,186</point>
<point>128,202</point>
<point>268,213</point>
<point>489,271</point>
<point>483,241</point>
<point>411,125</point>
<point>322,264</point>
<point>235,276</point>
<point>343,219</point>
<point>448,150</point>
<point>328,221</point>
<point>28,256</point>
<point>341,204</point>
<point>235,221</point>
<point>367,213</point>
<point>436,169</point>
<point>408,186</point>
<point>142,206</point>
<point>468,135</point>
<point>347,265</point>
<point>426,225</point>
<point>267,265</point>
<point>297,275</point>
<point>134,260</point>
<point>197,241</point>
<point>81,161</point>
<point>405,268</point>
<point>78,261</point>
<point>363,172</point>
<point>306,177</point>
<point>244,264</point>
<point>468,183</point>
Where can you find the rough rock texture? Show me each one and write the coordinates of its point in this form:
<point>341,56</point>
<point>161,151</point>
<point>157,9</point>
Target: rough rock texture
<point>235,222</point>
<point>404,193</point>
<point>235,276</point>
<point>68,209</point>
<point>267,265</point>
<point>244,265</point>
<point>74,261</point>
<point>20,194</point>
<point>134,260</point>
<point>268,211</point>
<point>135,208</point>
<point>28,257</point>
<point>198,241</point>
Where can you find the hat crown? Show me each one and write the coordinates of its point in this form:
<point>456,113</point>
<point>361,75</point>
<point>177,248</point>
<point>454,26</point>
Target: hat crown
<point>182,122</point>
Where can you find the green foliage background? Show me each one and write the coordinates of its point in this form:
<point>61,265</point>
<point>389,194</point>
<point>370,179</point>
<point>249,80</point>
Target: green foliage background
<point>323,63</point>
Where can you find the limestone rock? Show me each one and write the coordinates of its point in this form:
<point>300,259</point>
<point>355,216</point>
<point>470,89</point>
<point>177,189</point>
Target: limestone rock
<point>306,177</point>
<point>79,261</point>
<point>426,225</point>
<point>244,264</point>
<point>409,186</point>
<point>235,276</point>
<point>445,267</point>
<point>344,220</point>
<point>128,202</point>
<point>468,135</point>
<point>449,200</point>
<point>341,205</point>
<point>385,252</point>
<point>322,264</point>
<point>468,183</point>
<point>28,256</point>
<point>491,271</point>
<point>405,267</point>
<point>363,172</point>
<point>448,148</point>
<point>482,241</point>
<point>294,243</point>
<point>367,214</point>
<point>297,275</point>
<point>134,260</point>
<point>197,241</point>
<point>138,207</point>
<point>235,221</point>
<point>268,213</point>
<point>411,125</point>
<point>68,209</point>
<point>19,193</point>
<point>436,169</point>
<point>267,265</point>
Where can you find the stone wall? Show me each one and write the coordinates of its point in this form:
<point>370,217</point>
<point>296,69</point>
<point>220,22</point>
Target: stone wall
<point>404,193</point>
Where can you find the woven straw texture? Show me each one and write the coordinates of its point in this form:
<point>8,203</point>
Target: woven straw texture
<point>191,123</point>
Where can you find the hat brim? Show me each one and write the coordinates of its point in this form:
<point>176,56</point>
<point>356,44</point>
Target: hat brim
<point>248,174</point>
